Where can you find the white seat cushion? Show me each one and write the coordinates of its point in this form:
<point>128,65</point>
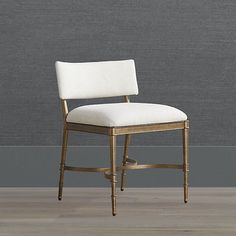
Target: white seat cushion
<point>125,114</point>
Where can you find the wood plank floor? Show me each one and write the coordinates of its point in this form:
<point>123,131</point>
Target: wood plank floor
<point>86,211</point>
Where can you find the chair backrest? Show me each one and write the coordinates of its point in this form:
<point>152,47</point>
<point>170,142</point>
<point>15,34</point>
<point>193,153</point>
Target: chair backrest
<point>96,79</point>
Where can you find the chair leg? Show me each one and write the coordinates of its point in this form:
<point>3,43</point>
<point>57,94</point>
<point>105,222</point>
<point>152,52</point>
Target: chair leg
<point>63,159</point>
<point>125,156</point>
<point>113,172</point>
<point>185,159</point>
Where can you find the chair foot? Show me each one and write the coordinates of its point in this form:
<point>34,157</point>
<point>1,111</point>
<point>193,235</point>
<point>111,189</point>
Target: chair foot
<point>59,196</point>
<point>113,201</point>
<point>122,189</point>
<point>185,201</point>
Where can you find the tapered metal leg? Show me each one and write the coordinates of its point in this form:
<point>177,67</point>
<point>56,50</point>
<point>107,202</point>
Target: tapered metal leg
<point>63,159</point>
<point>113,173</point>
<point>185,159</point>
<point>125,156</point>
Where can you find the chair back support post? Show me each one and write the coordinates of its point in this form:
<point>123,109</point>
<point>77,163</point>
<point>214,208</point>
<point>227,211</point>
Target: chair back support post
<point>126,98</point>
<point>64,108</point>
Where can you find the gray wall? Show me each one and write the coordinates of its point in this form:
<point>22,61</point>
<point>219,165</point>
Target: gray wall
<point>39,166</point>
<point>185,54</point>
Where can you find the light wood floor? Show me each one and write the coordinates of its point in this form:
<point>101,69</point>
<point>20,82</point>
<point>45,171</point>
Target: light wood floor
<point>86,211</point>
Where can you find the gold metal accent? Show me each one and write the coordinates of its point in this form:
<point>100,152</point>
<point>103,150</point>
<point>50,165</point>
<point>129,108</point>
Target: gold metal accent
<point>63,159</point>
<point>125,155</point>
<point>126,98</point>
<point>90,128</point>
<point>107,173</point>
<point>64,109</point>
<point>127,164</point>
<point>185,159</point>
<point>148,128</point>
<point>186,124</point>
<point>150,166</point>
<point>113,172</point>
<point>130,161</point>
<point>125,129</point>
<point>124,162</point>
<point>87,169</point>
<point>133,166</point>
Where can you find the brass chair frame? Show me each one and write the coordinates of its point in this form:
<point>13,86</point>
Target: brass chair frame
<point>127,163</point>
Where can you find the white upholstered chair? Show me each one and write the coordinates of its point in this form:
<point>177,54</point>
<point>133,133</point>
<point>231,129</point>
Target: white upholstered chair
<point>109,79</point>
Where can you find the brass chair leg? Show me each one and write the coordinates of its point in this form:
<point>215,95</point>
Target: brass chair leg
<point>185,159</point>
<point>113,173</point>
<point>125,156</point>
<point>63,159</point>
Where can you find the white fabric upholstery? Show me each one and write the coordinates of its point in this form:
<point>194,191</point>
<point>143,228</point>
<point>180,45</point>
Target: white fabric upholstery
<point>125,114</point>
<point>96,79</point>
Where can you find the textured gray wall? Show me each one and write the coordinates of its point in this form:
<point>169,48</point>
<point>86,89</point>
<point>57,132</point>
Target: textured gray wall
<point>185,54</point>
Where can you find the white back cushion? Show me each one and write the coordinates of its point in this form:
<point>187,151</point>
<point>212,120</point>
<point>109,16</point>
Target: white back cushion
<point>96,79</point>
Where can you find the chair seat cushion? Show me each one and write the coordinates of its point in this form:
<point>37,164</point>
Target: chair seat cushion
<point>125,114</point>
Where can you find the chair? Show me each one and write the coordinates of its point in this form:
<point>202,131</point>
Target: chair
<point>109,79</point>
